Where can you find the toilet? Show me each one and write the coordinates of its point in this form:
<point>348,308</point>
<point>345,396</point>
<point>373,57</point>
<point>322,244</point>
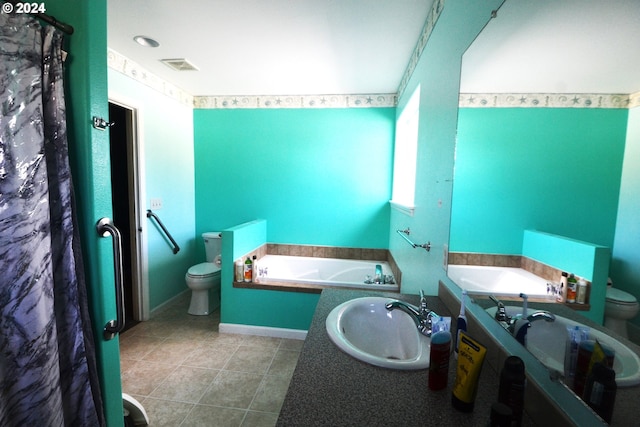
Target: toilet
<point>619,307</point>
<point>202,277</point>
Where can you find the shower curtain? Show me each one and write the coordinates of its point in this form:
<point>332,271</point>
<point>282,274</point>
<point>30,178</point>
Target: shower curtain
<point>48,374</point>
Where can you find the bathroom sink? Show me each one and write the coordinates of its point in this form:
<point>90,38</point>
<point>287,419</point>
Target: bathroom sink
<point>546,341</point>
<point>367,331</point>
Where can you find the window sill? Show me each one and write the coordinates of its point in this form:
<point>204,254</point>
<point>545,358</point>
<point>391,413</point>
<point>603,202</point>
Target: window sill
<point>405,209</point>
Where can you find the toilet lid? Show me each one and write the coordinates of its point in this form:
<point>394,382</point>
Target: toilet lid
<point>617,295</point>
<point>203,269</point>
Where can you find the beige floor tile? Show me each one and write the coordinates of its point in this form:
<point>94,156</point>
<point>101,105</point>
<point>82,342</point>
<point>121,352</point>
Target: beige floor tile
<point>258,341</point>
<point>136,347</point>
<point>232,389</point>
<point>270,394</point>
<point>251,359</point>
<point>185,384</point>
<point>143,377</point>
<point>259,419</point>
<point>165,413</point>
<point>289,344</point>
<point>209,416</point>
<point>284,363</point>
<point>170,352</point>
<point>210,356</point>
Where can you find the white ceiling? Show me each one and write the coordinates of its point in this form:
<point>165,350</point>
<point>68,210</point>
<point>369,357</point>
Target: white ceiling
<point>307,47</point>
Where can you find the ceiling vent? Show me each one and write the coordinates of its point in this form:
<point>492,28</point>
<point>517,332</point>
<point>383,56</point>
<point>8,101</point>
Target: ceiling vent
<point>179,64</point>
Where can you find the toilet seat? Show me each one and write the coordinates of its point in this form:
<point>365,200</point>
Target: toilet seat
<point>620,297</point>
<point>204,270</point>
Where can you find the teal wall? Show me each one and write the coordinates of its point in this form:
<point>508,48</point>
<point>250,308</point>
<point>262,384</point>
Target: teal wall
<point>166,141</point>
<point>276,309</point>
<point>625,265</point>
<point>438,74</point>
<point>318,176</point>
<point>553,170</point>
<point>86,96</point>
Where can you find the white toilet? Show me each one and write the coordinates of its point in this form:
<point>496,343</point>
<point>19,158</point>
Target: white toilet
<point>619,306</point>
<point>204,276</point>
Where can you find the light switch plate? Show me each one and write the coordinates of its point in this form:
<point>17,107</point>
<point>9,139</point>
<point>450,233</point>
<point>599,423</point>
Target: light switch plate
<point>156,204</point>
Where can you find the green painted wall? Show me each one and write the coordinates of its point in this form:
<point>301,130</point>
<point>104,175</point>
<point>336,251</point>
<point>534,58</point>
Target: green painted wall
<point>553,170</point>
<point>318,176</point>
<point>625,265</point>
<point>438,74</point>
<point>166,140</point>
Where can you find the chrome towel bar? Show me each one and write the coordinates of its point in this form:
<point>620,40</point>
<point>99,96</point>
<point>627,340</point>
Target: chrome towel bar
<point>405,235</point>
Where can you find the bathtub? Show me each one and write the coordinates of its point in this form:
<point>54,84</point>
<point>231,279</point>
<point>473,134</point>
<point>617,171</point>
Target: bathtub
<point>503,281</point>
<point>328,272</point>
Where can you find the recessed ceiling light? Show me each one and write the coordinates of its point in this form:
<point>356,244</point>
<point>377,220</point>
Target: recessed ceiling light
<point>146,41</point>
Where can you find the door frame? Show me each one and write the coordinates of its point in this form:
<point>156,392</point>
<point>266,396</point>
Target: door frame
<point>137,199</point>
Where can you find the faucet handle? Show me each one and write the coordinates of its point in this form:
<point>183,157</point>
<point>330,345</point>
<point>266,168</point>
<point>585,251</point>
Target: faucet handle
<point>501,312</point>
<point>423,302</point>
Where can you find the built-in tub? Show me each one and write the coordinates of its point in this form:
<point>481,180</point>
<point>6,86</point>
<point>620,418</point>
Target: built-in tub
<point>503,281</point>
<point>330,272</point>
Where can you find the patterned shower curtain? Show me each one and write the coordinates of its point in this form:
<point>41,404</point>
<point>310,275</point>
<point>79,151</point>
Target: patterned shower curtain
<point>48,374</point>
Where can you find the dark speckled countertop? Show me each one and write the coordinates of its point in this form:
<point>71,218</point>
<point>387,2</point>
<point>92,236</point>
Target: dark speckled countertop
<point>330,388</point>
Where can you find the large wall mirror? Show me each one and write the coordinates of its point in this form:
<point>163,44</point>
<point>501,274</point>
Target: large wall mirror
<point>543,122</point>
<point>548,91</point>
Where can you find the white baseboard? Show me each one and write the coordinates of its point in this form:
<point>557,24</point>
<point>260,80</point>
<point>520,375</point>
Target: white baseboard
<point>263,331</point>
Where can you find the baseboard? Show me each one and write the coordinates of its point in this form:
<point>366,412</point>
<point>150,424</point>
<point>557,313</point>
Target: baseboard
<point>169,302</point>
<point>263,331</point>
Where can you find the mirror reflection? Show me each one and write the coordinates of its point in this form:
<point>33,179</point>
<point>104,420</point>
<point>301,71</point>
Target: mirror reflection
<point>545,176</point>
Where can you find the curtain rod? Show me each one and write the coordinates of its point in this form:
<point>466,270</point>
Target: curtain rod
<point>46,18</point>
<point>53,21</point>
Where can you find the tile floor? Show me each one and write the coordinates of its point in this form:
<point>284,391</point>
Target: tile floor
<point>186,373</point>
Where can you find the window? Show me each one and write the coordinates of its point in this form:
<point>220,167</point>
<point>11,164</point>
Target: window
<point>405,155</point>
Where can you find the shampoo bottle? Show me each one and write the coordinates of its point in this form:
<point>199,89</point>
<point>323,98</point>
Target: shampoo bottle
<point>248,269</point>
<point>461,325</point>
<point>255,272</point>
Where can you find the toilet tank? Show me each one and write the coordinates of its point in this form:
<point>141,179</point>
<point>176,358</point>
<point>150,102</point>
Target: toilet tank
<point>212,245</point>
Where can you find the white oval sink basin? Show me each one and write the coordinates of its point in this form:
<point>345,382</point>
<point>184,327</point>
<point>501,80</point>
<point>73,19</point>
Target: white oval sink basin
<point>546,341</point>
<point>367,331</point>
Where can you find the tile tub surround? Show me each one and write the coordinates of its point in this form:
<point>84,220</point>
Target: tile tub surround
<point>186,373</point>
<point>330,388</point>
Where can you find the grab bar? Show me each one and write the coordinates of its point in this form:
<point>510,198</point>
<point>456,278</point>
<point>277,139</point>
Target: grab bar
<point>104,226</point>
<point>175,248</point>
<point>405,235</point>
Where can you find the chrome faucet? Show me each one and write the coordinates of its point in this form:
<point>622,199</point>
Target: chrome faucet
<point>421,315</point>
<point>379,278</point>
<point>518,324</point>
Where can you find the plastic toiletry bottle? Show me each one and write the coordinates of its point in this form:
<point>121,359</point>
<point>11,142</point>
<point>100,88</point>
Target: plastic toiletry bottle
<point>248,269</point>
<point>562,292</point>
<point>512,385</point>
<point>254,270</point>
<point>440,354</point>
<point>461,325</point>
<point>501,415</point>
<point>600,391</point>
<point>581,294</point>
<point>239,271</point>
<point>572,284</point>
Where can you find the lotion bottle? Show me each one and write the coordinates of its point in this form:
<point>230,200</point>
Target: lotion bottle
<point>440,354</point>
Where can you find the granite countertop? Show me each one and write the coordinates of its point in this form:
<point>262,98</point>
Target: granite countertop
<point>330,388</point>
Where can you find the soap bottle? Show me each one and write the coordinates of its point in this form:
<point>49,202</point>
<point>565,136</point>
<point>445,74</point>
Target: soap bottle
<point>562,292</point>
<point>512,385</point>
<point>239,271</point>
<point>440,354</point>
<point>600,391</point>
<point>248,269</point>
<point>255,272</point>
<point>572,285</point>
<point>581,293</point>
